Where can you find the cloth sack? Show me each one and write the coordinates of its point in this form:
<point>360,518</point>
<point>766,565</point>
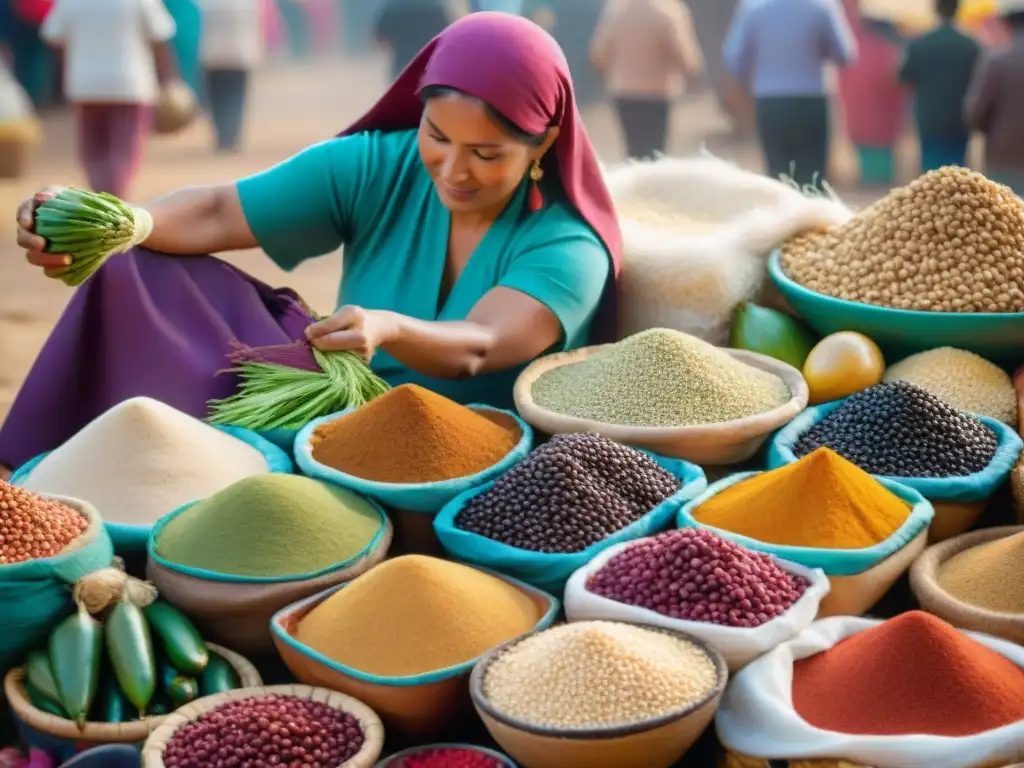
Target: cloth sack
<point>35,595</point>
<point>738,645</point>
<point>549,571</point>
<point>130,539</point>
<point>690,274</point>
<point>968,488</point>
<point>428,498</point>
<point>756,715</point>
<point>834,562</point>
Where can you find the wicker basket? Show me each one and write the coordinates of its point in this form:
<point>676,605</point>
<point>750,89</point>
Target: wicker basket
<point>175,109</point>
<point>373,730</point>
<point>97,734</point>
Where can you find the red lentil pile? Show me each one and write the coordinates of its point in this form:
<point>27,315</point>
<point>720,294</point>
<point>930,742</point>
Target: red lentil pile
<point>450,757</point>
<point>695,575</point>
<point>911,674</point>
<point>265,731</point>
<point>32,528</point>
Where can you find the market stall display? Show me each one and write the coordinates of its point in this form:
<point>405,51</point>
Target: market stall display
<point>142,459</point>
<point>664,391</point>
<point>447,756</point>
<point>234,559</point>
<point>975,581</point>
<point>350,733</point>
<point>954,459</point>
<point>566,501</point>
<point>864,532</point>
<point>903,693</point>
<point>404,636</point>
<point>741,602</point>
<point>840,365</point>
<point>599,694</point>
<point>770,332</point>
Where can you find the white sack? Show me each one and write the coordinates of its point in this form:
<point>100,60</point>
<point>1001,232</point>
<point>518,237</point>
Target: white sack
<point>690,273</point>
<point>756,716</point>
<point>739,645</point>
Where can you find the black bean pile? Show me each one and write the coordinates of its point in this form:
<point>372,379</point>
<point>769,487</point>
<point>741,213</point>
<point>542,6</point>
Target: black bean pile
<point>264,731</point>
<point>567,494</point>
<point>900,430</point>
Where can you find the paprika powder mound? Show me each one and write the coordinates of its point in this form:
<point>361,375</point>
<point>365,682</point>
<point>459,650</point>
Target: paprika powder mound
<point>413,435</point>
<point>913,674</point>
<point>989,576</point>
<point>822,501</point>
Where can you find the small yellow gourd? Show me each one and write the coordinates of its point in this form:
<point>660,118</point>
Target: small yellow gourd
<point>841,364</point>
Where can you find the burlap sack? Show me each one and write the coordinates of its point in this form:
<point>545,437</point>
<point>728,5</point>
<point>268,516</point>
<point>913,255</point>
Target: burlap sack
<point>237,614</point>
<point>715,444</point>
<point>934,599</point>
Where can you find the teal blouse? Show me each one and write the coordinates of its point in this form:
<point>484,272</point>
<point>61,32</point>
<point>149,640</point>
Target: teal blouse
<point>371,194</point>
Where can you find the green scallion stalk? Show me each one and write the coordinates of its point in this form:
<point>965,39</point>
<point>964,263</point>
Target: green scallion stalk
<point>279,397</point>
<point>88,227</point>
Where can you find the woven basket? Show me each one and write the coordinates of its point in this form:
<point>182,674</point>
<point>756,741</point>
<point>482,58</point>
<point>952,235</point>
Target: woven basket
<point>716,444</point>
<point>735,760</point>
<point>373,730</point>
<point>97,734</point>
<point>934,599</point>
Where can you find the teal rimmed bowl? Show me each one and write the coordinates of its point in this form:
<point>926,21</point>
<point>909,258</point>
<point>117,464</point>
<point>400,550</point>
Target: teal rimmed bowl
<point>901,332</point>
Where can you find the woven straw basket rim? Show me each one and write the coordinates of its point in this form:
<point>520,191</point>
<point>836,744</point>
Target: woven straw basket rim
<point>933,598</point>
<point>741,429</point>
<point>107,733</point>
<point>373,729</point>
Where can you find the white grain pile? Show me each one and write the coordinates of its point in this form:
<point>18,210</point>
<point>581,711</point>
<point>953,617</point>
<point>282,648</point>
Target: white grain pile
<point>143,459</point>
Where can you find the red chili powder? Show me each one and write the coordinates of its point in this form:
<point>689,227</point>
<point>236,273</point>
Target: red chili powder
<point>912,674</point>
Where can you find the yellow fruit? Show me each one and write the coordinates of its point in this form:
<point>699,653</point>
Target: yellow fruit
<point>841,364</point>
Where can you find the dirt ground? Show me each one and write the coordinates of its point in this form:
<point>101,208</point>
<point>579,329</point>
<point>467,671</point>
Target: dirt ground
<point>292,106</point>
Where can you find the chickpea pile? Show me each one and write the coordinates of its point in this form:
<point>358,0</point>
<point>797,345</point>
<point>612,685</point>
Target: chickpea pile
<point>32,527</point>
<point>951,241</point>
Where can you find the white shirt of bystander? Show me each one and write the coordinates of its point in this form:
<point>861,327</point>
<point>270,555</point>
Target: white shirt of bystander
<point>232,33</point>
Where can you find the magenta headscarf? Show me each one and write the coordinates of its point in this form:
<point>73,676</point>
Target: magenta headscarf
<point>518,68</point>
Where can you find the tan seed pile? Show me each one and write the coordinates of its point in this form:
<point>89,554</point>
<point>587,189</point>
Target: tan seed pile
<point>951,241</point>
<point>594,674</point>
<point>661,216</point>
<point>963,379</point>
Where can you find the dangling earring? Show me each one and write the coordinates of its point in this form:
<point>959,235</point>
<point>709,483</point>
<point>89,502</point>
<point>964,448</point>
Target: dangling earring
<point>536,201</point>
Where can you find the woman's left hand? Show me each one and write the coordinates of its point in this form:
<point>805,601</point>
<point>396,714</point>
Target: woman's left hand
<point>352,329</point>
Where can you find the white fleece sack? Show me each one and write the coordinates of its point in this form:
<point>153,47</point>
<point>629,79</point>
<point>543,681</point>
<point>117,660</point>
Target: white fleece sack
<point>756,715</point>
<point>704,249</point>
<point>739,645</point>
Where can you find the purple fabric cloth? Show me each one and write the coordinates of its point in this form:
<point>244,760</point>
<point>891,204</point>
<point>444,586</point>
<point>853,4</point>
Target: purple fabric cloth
<point>144,325</point>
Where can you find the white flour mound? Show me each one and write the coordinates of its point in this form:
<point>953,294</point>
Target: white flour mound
<point>143,459</point>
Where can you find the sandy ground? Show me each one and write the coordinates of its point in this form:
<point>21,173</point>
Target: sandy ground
<point>292,106</point>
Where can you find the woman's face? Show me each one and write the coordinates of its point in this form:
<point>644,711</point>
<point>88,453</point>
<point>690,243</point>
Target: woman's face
<point>476,166</point>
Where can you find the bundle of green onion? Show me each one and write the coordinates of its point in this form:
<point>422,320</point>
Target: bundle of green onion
<point>275,396</point>
<point>88,227</point>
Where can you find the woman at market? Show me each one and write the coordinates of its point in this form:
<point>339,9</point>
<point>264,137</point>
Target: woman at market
<point>478,235</point>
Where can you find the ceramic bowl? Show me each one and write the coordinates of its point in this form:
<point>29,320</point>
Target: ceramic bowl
<point>396,761</point>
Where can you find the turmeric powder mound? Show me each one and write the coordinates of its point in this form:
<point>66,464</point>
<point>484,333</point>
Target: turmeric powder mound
<point>413,435</point>
<point>417,614</point>
<point>821,501</point>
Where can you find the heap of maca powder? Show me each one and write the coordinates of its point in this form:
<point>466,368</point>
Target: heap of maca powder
<point>951,241</point>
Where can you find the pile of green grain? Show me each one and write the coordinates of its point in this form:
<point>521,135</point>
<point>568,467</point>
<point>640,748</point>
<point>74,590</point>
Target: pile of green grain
<point>660,378</point>
<point>271,525</point>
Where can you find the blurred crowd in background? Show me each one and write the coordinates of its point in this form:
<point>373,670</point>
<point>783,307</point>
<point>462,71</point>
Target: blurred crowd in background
<point>783,71</point>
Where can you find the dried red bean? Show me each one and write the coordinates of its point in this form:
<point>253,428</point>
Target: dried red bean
<point>694,575</point>
<point>451,757</point>
<point>32,527</point>
<point>266,731</point>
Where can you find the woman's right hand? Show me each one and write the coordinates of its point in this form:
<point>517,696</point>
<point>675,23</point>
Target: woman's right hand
<point>33,244</point>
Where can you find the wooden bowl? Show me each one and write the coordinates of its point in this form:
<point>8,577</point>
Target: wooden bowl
<point>373,730</point>
<point>418,706</point>
<point>396,760</point>
<point>655,743</point>
<point>934,599</point>
<point>729,442</point>
<point>98,734</point>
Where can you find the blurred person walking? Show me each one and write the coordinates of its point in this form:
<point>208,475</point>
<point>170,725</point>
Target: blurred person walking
<point>232,46</point>
<point>646,50</point>
<point>404,27</point>
<point>938,66</point>
<point>116,53</point>
<point>778,50</point>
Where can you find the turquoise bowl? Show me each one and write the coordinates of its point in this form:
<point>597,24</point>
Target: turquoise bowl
<point>998,337</point>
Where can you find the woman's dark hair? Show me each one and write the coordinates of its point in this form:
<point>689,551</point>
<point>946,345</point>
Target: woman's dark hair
<point>513,130</point>
<point>947,9</point>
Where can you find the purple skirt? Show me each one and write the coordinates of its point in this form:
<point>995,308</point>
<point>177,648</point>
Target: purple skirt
<point>145,325</point>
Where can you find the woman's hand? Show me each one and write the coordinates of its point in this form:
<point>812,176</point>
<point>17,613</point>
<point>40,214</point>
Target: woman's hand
<point>33,244</point>
<point>353,329</point>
